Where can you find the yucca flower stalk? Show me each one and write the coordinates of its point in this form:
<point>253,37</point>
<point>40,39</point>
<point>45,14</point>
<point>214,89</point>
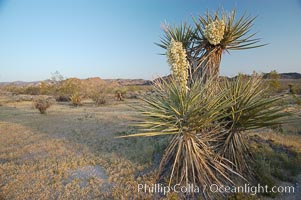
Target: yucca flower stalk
<point>179,33</point>
<point>214,31</point>
<point>177,59</point>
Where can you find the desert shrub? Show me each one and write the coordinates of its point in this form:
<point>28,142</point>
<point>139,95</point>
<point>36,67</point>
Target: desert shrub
<point>61,98</point>
<point>62,88</point>
<point>32,90</point>
<point>14,89</point>
<point>21,97</point>
<point>99,98</point>
<point>69,87</point>
<point>47,88</point>
<point>119,94</point>
<point>99,94</point>
<point>273,81</point>
<point>292,89</point>
<point>76,99</point>
<point>42,104</point>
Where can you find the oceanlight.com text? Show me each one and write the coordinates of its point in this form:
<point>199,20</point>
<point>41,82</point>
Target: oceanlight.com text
<point>214,188</point>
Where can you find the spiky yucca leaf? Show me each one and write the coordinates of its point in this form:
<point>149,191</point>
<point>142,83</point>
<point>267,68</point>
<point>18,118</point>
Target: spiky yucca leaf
<point>256,108</point>
<point>174,109</point>
<point>181,33</point>
<point>251,109</point>
<point>190,117</point>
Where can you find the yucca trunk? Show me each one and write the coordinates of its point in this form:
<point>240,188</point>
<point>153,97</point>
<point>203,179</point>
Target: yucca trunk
<point>242,156</point>
<point>209,65</point>
<point>191,161</point>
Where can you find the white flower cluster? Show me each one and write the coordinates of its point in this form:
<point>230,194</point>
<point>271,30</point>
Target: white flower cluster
<point>177,59</point>
<point>214,31</point>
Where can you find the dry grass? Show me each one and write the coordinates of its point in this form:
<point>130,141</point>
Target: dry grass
<point>288,135</point>
<point>51,157</point>
<point>292,142</point>
<point>72,153</point>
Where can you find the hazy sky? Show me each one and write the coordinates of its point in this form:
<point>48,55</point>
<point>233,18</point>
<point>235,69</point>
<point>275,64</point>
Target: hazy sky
<point>115,39</point>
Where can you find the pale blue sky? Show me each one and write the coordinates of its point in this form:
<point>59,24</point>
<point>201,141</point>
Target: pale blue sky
<point>115,39</point>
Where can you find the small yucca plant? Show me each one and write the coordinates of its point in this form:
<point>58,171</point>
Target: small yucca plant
<point>251,109</point>
<point>76,99</point>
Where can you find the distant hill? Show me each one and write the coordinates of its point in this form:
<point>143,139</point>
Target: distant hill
<point>88,81</point>
<point>291,75</point>
<point>19,83</point>
<point>129,82</point>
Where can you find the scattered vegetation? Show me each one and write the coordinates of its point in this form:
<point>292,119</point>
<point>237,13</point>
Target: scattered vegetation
<point>42,104</point>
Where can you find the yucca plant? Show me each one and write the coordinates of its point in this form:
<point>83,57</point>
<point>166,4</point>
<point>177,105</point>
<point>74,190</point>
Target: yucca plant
<point>251,109</point>
<point>184,34</point>
<point>207,118</point>
<point>207,127</point>
<point>190,115</point>
<point>76,99</point>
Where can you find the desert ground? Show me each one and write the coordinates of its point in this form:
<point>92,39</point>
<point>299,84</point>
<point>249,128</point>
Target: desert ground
<point>73,153</point>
